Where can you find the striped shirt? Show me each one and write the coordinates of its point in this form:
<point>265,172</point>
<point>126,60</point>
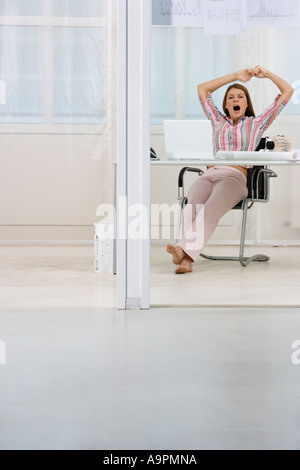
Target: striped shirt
<point>246,135</point>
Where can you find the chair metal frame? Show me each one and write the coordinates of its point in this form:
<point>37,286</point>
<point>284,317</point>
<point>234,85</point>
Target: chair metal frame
<point>258,183</point>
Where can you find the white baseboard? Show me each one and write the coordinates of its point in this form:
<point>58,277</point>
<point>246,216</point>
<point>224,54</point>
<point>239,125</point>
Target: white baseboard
<point>46,242</point>
<point>273,243</point>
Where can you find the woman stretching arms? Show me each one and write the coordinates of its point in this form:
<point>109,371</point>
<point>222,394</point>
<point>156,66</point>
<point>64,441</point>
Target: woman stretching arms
<point>222,187</point>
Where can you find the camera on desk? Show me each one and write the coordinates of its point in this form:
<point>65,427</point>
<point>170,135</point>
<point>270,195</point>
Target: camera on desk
<point>266,143</point>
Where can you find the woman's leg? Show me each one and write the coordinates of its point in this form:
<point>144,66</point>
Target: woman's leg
<point>229,188</point>
<point>198,194</point>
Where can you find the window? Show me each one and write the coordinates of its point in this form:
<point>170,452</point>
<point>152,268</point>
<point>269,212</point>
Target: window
<point>21,7</point>
<point>22,73</point>
<point>54,60</point>
<point>181,59</point>
<point>84,8</point>
<point>287,41</point>
<point>184,57</point>
<point>79,84</point>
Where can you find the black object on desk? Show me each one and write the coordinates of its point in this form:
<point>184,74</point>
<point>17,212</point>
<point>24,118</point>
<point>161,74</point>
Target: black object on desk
<point>153,155</point>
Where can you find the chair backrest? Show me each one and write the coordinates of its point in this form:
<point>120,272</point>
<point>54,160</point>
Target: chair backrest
<point>253,181</point>
<point>257,183</point>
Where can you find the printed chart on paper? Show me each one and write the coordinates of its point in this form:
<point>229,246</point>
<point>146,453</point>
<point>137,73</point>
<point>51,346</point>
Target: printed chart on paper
<point>178,12</point>
<point>263,13</point>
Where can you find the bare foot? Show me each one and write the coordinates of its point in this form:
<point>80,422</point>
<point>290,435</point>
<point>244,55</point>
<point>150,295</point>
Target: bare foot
<point>177,253</point>
<point>184,267</point>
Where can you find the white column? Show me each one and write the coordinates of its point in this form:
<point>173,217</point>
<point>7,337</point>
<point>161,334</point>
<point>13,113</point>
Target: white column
<point>133,169</point>
<point>121,180</point>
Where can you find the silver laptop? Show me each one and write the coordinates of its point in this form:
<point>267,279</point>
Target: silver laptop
<point>188,140</point>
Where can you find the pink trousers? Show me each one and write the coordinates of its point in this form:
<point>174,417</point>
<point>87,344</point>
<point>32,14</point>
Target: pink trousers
<point>209,198</point>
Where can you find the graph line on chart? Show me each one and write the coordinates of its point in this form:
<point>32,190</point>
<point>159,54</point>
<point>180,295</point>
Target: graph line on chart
<point>181,7</point>
<point>267,11</point>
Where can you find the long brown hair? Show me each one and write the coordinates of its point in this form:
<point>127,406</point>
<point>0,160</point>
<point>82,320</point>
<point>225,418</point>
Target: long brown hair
<point>249,111</point>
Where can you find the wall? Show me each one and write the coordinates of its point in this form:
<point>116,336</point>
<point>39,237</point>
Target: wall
<point>51,186</point>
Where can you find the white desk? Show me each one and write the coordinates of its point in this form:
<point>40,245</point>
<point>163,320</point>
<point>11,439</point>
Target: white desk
<point>225,162</point>
<point>240,158</point>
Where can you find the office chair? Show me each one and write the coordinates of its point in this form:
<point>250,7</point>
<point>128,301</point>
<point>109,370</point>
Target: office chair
<point>258,191</point>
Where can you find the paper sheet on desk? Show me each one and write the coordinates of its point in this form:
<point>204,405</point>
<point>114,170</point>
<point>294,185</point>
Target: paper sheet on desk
<point>259,156</point>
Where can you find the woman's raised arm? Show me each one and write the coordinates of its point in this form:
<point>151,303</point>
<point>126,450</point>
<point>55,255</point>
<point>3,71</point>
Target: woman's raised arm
<point>242,75</point>
<point>285,88</point>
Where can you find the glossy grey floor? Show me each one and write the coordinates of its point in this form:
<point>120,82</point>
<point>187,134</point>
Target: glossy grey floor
<point>163,379</point>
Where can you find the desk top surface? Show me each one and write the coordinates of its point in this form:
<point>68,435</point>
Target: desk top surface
<point>240,158</point>
<point>225,162</point>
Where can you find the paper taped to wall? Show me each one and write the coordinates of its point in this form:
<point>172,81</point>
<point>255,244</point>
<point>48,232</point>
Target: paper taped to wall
<point>224,17</point>
<point>178,12</point>
<point>272,13</point>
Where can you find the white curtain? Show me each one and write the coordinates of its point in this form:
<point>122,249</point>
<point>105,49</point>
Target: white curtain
<point>55,98</point>
<point>184,57</point>
<point>67,38</point>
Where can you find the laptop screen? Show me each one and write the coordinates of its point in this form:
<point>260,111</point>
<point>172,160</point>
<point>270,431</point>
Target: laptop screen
<point>185,139</point>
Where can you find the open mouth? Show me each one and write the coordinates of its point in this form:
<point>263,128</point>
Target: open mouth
<point>236,108</point>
